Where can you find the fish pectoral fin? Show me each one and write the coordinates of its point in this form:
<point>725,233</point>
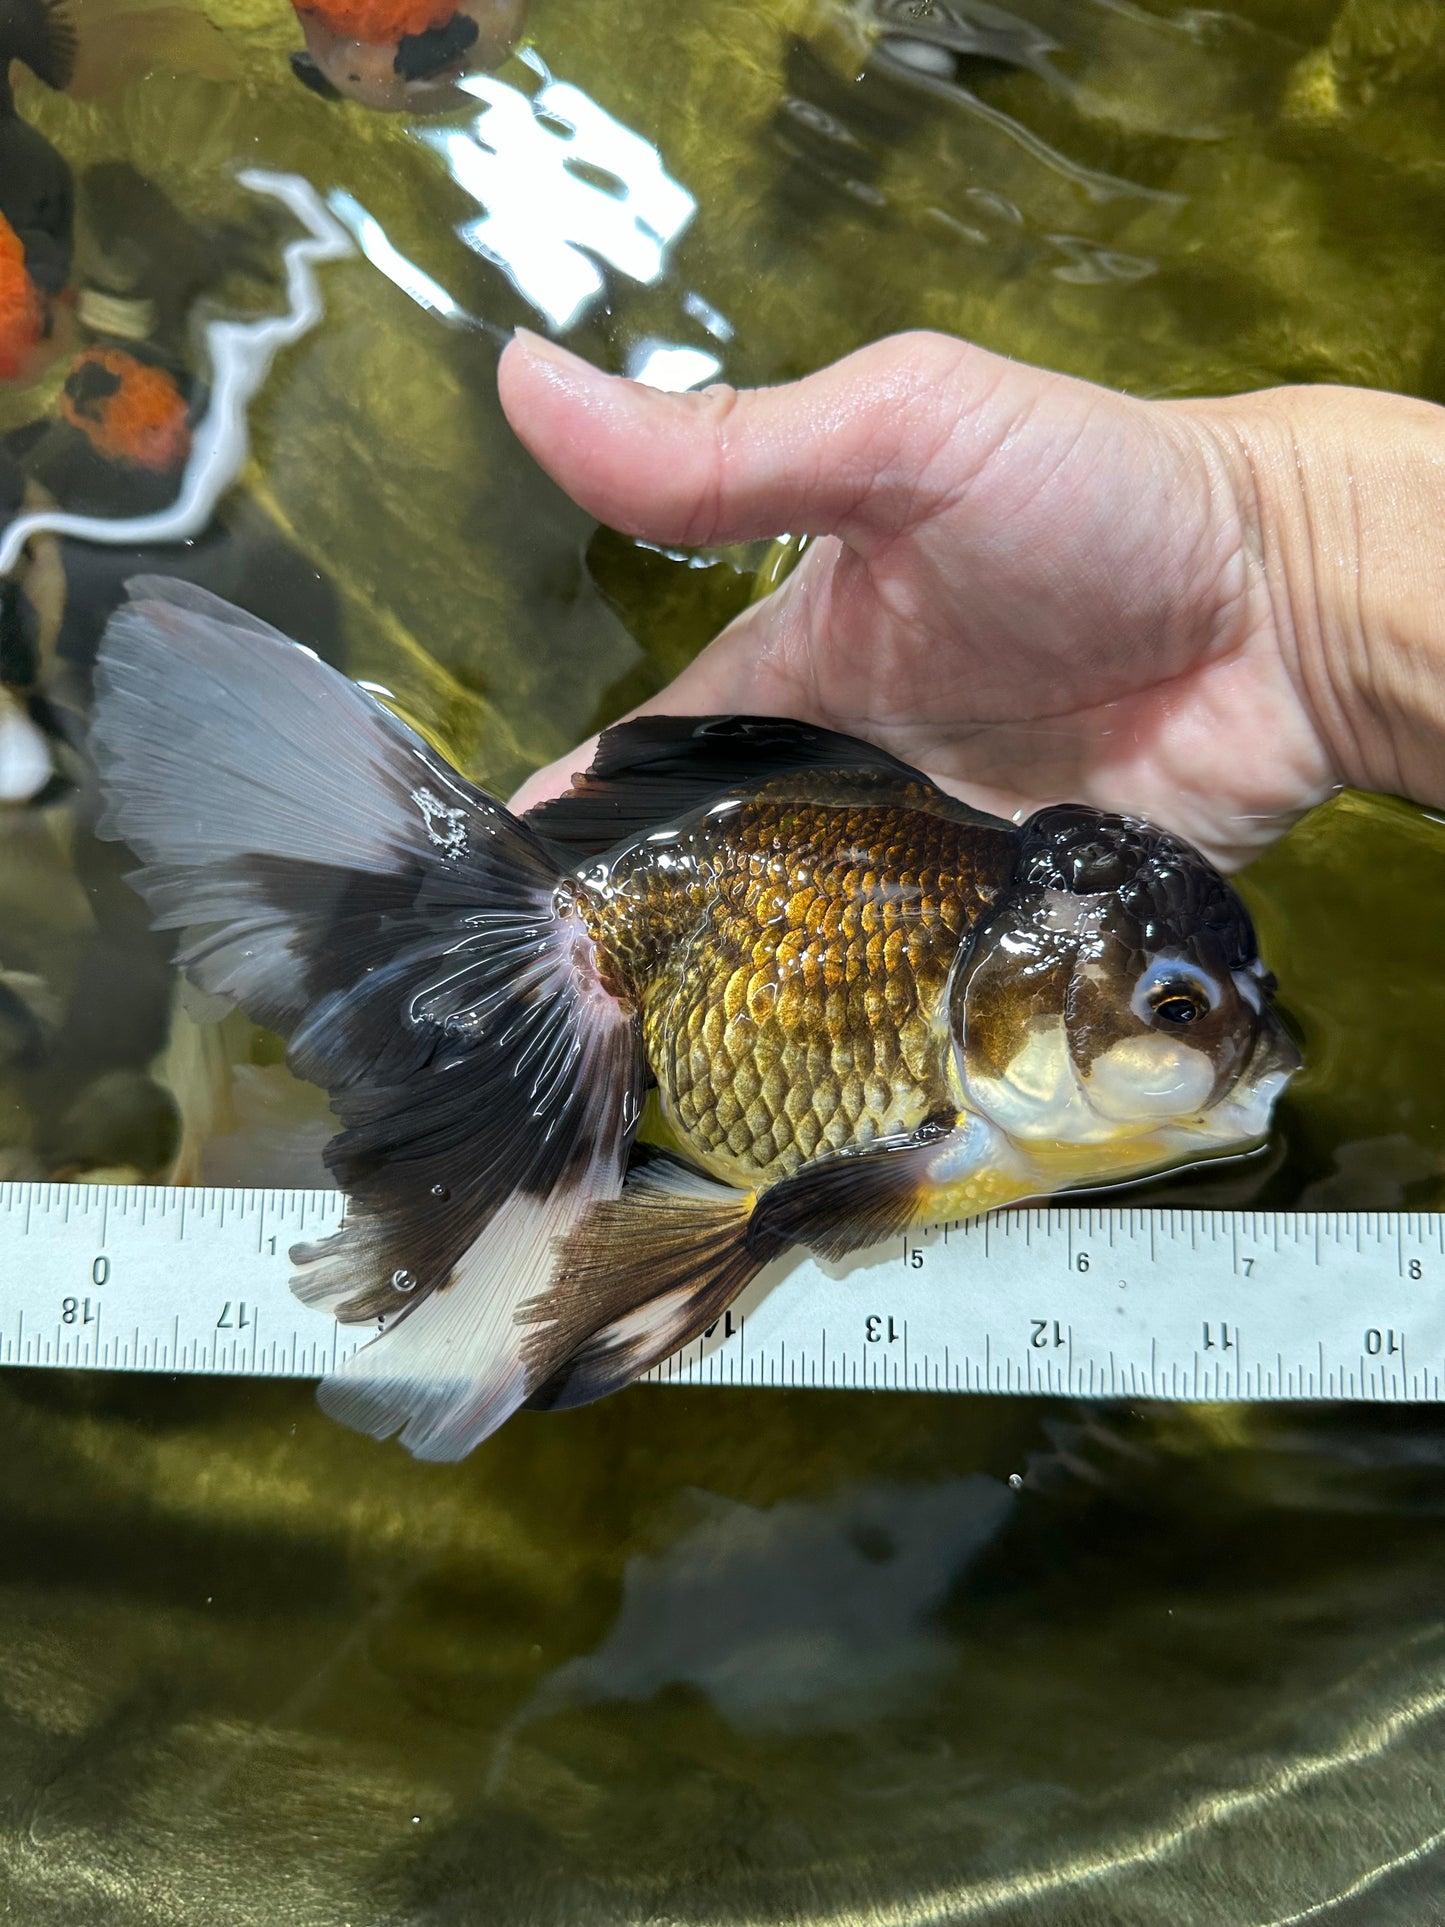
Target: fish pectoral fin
<point>645,1273</point>
<point>656,769</point>
<point>640,1276</point>
<point>843,1203</point>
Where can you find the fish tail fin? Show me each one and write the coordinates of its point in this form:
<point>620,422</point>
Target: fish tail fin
<point>409,938</point>
<point>41,34</point>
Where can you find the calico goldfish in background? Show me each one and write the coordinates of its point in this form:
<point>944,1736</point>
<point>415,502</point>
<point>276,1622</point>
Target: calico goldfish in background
<point>403,55</point>
<point>37,196</point>
<point>24,320</point>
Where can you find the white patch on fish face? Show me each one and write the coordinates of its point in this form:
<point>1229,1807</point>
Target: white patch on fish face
<point>1140,1081</point>
<point>25,765</point>
<point>1149,1077</point>
<point>1039,1094</point>
<point>1247,1110</point>
<point>1250,987</point>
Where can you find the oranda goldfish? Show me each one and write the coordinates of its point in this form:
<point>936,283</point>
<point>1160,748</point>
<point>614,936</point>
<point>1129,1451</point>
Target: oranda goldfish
<point>129,408</point>
<point>402,55</point>
<point>861,1004</point>
<point>37,195</point>
<point>22,307</point>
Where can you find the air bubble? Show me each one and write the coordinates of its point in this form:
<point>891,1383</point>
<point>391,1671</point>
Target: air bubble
<point>403,1281</point>
<point>441,1192</point>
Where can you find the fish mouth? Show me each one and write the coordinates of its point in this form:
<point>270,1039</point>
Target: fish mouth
<point>1249,1107</point>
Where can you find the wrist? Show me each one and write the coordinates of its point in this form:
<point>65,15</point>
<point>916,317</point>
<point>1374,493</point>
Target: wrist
<point>1342,501</point>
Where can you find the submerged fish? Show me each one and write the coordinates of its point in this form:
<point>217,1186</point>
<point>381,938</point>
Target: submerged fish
<point>129,409</point>
<point>861,1003</point>
<point>402,55</point>
<point>24,318</point>
<point>37,195</point>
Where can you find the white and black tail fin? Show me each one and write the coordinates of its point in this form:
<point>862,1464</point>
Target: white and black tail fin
<point>407,935</point>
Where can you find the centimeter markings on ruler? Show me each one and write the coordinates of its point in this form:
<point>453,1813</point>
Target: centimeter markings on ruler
<point>1088,1303</point>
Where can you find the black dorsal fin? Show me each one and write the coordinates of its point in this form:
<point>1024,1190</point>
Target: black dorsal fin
<point>657,769</point>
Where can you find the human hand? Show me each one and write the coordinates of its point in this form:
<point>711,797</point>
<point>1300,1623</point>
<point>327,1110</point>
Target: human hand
<point>1211,613</point>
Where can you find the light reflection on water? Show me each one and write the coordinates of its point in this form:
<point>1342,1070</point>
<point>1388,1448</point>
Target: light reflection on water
<point>561,180</point>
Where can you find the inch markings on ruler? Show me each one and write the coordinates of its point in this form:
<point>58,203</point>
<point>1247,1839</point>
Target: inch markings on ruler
<point>1081,1302</point>
<point>1107,1303</point>
<point>141,1278</point>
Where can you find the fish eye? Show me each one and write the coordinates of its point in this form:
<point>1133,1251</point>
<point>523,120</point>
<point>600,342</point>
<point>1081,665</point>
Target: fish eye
<point>1173,990</point>
<point>1176,1003</point>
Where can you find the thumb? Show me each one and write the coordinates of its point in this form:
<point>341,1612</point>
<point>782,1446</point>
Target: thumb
<point>852,450</point>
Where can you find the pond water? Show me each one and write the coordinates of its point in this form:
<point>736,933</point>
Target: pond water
<point>687,1656</point>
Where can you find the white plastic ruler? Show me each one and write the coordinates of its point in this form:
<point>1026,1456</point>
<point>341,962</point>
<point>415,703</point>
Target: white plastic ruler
<point>1089,1303</point>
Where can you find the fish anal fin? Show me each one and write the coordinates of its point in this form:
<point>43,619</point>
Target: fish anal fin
<point>657,769</point>
<point>637,1278</point>
<point>644,1274</point>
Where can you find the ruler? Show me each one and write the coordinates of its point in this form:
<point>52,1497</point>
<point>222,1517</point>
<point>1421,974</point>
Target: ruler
<point>1086,1303</point>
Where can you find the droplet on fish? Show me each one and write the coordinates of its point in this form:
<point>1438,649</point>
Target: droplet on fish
<point>403,1280</point>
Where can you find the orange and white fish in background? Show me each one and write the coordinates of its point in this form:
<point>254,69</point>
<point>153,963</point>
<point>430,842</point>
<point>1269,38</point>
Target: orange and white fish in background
<point>403,55</point>
<point>24,320</point>
<point>37,196</point>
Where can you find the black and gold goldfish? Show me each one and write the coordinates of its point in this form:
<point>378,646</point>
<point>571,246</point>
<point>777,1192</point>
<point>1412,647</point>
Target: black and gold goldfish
<point>860,1003</point>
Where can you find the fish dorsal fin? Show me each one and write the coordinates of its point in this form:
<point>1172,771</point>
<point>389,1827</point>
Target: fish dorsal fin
<point>657,769</point>
<point>643,1274</point>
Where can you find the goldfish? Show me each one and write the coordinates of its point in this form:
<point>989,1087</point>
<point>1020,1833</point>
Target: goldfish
<point>37,194</point>
<point>22,307</point>
<point>114,447</point>
<point>861,1005</point>
<point>130,409</point>
<point>402,55</point>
